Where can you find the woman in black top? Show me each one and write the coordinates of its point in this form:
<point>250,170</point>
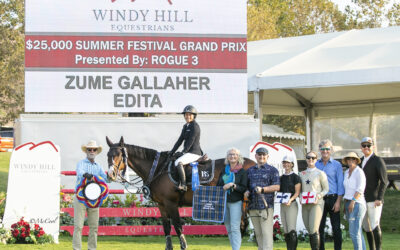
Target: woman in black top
<point>290,183</point>
<point>190,137</point>
<point>234,181</point>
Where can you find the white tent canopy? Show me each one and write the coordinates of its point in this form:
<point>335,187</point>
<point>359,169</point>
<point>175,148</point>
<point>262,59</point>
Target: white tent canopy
<point>327,75</point>
<point>270,130</point>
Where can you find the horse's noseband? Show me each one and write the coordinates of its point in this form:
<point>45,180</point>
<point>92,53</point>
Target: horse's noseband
<point>116,168</point>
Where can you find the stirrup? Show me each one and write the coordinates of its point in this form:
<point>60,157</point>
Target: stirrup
<point>182,188</point>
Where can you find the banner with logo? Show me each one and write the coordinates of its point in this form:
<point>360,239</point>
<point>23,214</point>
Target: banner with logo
<point>33,190</point>
<point>135,55</point>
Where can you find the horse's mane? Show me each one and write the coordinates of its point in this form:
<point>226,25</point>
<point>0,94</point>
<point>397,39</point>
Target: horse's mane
<point>141,152</point>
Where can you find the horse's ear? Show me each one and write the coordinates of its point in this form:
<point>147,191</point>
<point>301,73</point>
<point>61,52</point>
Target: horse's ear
<point>121,142</point>
<point>109,141</point>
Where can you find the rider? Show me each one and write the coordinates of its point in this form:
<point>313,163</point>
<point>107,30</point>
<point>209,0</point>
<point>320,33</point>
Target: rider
<point>191,148</point>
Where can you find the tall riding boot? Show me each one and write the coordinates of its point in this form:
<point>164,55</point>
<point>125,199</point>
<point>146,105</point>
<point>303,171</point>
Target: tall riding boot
<point>378,237</point>
<point>182,177</point>
<point>293,240</point>
<point>314,241</point>
<point>371,241</point>
<point>287,239</point>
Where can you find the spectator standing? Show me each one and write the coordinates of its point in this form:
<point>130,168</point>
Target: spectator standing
<point>313,180</point>
<point>334,172</point>
<point>234,181</point>
<point>354,202</point>
<point>263,183</point>
<point>376,175</point>
<point>290,183</point>
<point>87,168</point>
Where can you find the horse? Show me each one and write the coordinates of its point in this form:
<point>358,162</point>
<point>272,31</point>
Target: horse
<point>163,191</point>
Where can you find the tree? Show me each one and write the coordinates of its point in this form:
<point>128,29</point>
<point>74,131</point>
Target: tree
<point>11,59</point>
<point>372,14</point>
<point>268,19</point>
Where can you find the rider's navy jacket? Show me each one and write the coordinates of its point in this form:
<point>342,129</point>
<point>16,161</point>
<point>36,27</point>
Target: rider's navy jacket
<point>191,135</point>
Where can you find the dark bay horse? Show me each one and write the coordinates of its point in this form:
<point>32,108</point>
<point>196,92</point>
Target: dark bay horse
<point>163,191</point>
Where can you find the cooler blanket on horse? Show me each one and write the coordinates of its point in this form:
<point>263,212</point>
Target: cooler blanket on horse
<point>102,192</point>
<point>209,204</point>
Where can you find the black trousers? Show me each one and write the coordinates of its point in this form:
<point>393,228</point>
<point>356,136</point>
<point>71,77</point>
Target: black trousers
<point>335,222</point>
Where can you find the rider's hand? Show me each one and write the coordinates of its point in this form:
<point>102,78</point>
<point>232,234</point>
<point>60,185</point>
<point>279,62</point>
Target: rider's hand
<point>88,176</point>
<point>258,190</point>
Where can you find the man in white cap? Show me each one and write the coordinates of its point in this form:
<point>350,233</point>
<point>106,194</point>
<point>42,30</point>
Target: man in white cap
<point>375,172</point>
<point>87,168</point>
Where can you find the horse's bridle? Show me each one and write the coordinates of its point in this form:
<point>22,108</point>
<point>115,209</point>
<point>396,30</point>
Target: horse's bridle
<point>117,176</point>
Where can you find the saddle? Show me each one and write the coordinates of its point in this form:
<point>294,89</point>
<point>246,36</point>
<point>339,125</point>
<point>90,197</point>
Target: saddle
<point>205,168</point>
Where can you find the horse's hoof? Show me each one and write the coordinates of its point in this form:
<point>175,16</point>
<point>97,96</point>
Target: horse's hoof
<point>168,245</point>
<point>183,242</point>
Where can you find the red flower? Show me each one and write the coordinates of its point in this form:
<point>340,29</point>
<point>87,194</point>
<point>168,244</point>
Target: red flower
<point>23,235</point>
<point>36,227</point>
<point>41,232</point>
<point>14,225</point>
<point>23,229</point>
<point>276,216</point>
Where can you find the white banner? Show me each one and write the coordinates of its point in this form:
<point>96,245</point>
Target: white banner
<point>133,91</point>
<point>33,190</point>
<point>143,16</point>
<point>95,42</point>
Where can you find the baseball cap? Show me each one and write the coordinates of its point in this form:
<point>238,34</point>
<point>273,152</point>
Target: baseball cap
<point>367,140</point>
<point>287,158</point>
<point>262,150</point>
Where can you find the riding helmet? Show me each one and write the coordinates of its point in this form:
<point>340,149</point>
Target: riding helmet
<point>190,109</point>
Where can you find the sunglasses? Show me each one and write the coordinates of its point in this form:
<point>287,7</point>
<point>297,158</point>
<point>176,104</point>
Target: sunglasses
<point>366,145</point>
<point>325,149</point>
<point>260,154</point>
<point>91,149</point>
<point>351,158</point>
<point>311,157</point>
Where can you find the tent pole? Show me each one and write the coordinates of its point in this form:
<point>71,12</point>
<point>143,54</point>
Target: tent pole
<point>309,129</point>
<point>258,113</point>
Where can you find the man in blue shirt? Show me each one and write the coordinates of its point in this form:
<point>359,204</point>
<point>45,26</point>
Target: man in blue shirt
<point>333,170</point>
<point>263,182</point>
<point>87,168</point>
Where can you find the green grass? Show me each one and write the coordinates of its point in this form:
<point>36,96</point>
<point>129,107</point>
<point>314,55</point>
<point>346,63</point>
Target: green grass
<point>390,224</point>
<point>390,241</point>
<point>4,164</point>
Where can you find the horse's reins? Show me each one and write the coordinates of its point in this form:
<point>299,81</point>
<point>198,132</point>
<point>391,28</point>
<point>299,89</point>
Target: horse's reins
<point>146,187</point>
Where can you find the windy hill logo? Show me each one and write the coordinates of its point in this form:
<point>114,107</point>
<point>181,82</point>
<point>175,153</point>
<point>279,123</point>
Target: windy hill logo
<point>169,1</point>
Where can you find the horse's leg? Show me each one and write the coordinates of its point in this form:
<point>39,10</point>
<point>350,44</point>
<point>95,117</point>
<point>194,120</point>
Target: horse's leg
<point>167,227</point>
<point>173,212</point>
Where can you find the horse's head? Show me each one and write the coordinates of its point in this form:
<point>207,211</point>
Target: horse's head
<point>117,158</point>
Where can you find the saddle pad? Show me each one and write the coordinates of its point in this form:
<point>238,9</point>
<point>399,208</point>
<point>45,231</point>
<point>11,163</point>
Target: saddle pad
<point>209,204</point>
<point>205,171</point>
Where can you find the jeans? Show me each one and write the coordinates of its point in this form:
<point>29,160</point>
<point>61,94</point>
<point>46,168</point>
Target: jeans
<point>335,222</point>
<point>355,219</point>
<point>233,216</point>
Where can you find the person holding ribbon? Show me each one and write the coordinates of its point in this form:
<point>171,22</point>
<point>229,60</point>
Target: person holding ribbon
<point>355,206</point>
<point>87,168</point>
<point>290,186</point>
<point>234,181</point>
<point>314,186</point>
